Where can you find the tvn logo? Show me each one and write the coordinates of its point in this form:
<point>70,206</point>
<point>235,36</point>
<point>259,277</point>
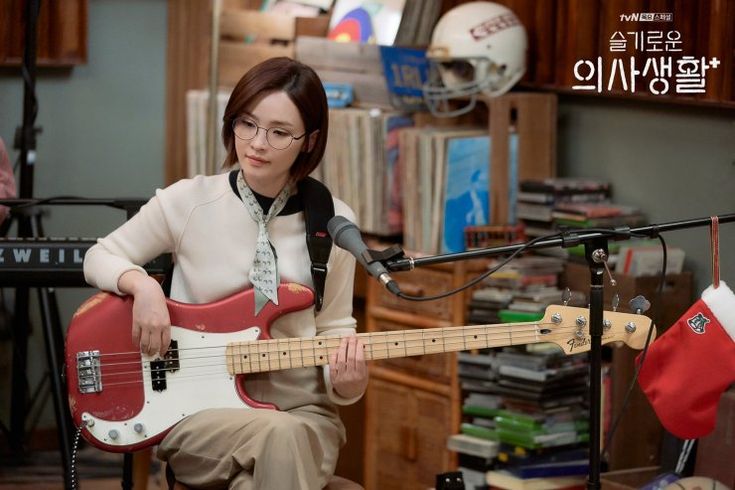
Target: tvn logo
<point>647,17</point>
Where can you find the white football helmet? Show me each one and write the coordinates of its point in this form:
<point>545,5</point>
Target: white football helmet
<point>476,47</point>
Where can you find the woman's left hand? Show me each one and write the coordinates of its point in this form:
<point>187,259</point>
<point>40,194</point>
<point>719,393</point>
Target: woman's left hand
<point>347,368</point>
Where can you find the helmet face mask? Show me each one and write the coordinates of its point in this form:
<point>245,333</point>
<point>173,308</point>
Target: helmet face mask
<point>477,48</point>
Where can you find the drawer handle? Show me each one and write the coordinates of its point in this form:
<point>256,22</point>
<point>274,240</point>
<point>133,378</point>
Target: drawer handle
<point>410,443</point>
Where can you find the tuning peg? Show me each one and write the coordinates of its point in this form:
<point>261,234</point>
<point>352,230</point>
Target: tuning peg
<point>598,256</point>
<point>566,295</point>
<point>639,304</point>
<point>615,302</point>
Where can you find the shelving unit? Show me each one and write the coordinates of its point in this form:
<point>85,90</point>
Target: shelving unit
<point>413,404</point>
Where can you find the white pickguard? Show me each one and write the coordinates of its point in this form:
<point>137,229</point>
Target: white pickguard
<point>201,382</point>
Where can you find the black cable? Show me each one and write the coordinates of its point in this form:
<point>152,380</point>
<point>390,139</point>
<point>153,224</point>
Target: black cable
<point>45,200</point>
<point>484,275</point>
<point>479,278</point>
<point>657,310</point>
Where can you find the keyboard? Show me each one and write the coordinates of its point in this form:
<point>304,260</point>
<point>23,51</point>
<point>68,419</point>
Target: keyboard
<point>52,262</point>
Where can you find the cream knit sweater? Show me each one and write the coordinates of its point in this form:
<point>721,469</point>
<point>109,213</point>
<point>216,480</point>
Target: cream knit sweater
<point>212,238</point>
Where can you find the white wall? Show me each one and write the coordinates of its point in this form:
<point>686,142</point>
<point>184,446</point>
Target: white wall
<point>673,161</point>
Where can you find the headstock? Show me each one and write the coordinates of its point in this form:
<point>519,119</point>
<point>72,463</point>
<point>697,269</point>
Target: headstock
<point>568,327</point>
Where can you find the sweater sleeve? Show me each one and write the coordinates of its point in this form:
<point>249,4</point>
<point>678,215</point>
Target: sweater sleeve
<point>142,238</point>
<point>336,318</point>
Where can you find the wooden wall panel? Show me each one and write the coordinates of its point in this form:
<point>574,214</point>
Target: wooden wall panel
<point>539,20</point>
<point>577,34</point>
<point>62,32</point>
<point>187,67</point>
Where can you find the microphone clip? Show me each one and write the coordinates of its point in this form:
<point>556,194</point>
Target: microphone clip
<point>393,252</point>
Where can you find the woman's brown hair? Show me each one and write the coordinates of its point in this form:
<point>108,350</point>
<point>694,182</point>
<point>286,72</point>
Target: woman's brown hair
<point>303,87</point>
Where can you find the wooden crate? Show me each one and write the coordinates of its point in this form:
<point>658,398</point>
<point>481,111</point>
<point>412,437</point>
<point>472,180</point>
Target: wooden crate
<point>532,116</point>
<point>248,37</point>
<point>357,64</point>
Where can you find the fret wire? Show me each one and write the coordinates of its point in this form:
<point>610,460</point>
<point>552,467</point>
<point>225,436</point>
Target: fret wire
<point>239,357</point>
<point>313,350</point>
<point>286,356</point>
<point>250,350</point>
<point>294,357</point>
<point>282,354</point>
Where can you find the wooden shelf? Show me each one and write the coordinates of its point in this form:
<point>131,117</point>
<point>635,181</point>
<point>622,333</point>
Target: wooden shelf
<point>614,97</point>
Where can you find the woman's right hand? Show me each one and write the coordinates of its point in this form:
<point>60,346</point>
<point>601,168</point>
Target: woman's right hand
<point>151,321</point>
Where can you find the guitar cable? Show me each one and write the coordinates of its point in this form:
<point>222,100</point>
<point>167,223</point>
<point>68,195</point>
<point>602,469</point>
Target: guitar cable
<point>75,447</point>
<point>658,311</point>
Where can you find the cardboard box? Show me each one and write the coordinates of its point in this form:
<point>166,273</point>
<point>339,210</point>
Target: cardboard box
<point>630,479</point>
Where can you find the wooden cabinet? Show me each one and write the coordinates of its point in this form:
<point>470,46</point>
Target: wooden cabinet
<point>413,403</point>
<point>406,447</point>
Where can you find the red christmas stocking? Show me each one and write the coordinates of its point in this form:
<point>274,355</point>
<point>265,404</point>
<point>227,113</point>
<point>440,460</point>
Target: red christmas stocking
<point>691,364</point>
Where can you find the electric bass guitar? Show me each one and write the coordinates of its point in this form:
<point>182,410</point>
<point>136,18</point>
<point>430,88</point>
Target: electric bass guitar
<point>128,400</point>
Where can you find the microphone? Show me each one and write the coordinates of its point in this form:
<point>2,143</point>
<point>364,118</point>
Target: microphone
<point>346,235</point>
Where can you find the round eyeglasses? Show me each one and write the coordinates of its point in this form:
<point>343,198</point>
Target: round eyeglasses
<point>278,138</point>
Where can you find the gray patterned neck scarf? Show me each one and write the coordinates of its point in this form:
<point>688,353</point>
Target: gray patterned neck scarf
<point>264,273</point>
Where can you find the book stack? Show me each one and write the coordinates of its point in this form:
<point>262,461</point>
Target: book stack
<point>542,392</point>
<point>477,449</point>
<point>602,214</point>
<point>520,291</point>
<point>537,200</point>
<point>588,215</point>
<point>531,402</point>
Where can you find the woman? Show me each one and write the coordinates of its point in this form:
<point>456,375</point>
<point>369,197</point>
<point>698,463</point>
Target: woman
<point>238,230</point>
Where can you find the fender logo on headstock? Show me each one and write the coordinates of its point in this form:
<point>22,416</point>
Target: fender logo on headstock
<point>578,343</point>
<point>585,342</point>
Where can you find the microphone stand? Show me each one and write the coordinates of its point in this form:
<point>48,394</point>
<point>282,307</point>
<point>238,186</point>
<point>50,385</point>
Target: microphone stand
<point>595,243</point>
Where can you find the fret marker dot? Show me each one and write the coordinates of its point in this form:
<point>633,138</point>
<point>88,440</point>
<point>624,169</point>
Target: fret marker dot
<point>396,343</point>
<point>263,355</point>
<point>284,353</point>
<point>433,340</point>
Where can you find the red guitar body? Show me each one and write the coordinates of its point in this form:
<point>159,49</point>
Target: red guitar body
<point>130,400</point>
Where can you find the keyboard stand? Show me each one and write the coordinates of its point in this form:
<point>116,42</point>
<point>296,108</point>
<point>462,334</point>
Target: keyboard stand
<point>28,215</point>
<point>30,219</point>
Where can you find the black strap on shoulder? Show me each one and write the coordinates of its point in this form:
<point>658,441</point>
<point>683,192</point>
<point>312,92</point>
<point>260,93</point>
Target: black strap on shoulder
<point>318,210</point>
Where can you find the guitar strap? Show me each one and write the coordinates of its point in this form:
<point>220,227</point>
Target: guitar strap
<point>318,210</point>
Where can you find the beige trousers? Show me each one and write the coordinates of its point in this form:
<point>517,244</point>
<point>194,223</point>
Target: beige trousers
<point>252,449</point>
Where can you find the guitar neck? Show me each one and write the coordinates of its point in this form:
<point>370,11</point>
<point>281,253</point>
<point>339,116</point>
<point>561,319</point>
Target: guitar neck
<point>275,354</point>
